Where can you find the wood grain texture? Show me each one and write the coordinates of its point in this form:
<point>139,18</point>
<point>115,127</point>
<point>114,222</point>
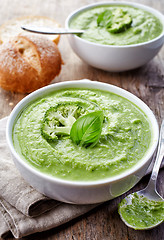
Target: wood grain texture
<point>146,82</point>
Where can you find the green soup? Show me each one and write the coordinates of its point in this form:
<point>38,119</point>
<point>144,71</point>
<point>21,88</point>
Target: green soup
<point>124,140</point>
<point>142,212</point>
<point>117,25</point>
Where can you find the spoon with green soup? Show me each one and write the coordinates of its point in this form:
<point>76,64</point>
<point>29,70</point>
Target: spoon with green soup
<point>144,209</point>
<point>115,21</point>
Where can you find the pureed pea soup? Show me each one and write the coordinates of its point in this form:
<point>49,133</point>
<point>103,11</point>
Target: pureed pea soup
<point>82,134</point>
<point>117,25</point>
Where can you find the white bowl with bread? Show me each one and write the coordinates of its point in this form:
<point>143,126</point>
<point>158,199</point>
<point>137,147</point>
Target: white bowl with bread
<point>81,191</point>
<point>114,58</point>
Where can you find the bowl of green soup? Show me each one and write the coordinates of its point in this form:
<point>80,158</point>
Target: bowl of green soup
<point>83,141</point>
<point>118,36</point>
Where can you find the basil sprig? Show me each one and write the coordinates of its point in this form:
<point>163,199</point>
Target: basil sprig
<point>86,130</point>
<point>116,21</point>
<point>104,19</point>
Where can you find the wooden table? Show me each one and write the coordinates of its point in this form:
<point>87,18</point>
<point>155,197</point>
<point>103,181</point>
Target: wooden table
<point>146,82</point>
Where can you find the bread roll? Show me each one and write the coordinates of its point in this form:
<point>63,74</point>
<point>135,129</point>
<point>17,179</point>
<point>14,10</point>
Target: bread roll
<point>28,62</point>
<point>12,28</point>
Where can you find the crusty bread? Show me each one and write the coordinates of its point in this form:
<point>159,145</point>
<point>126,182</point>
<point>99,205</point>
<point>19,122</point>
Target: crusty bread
<point>28,62</point>
<point>13,27</point>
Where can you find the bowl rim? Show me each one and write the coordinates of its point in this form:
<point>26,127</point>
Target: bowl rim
<point>154,11</point>
<point>88,84</point>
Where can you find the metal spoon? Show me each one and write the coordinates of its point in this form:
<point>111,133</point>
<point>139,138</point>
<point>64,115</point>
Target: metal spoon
<point>150,192</point>
<point>49,30</point>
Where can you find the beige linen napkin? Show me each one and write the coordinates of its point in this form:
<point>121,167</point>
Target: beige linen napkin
<point>23,210</point>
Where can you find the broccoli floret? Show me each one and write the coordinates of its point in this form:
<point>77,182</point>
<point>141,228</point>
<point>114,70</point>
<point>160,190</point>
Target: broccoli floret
<point>116,21</point>
<point>58,120</point>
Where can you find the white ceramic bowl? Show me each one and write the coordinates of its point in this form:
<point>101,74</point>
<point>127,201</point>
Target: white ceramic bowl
<point>116,58</point>
<point>82,192</point>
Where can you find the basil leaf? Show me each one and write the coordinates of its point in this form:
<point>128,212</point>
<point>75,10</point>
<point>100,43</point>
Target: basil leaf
<point>86,130</point>
<point>116,21</point>
<point>105,19</point>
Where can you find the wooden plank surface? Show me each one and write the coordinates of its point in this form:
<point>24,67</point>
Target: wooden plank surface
<point>146,82</point>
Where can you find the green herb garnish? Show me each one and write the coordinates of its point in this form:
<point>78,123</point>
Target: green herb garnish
<point>116,21</point>
<point>87,129</point>
<point>105,19</point>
